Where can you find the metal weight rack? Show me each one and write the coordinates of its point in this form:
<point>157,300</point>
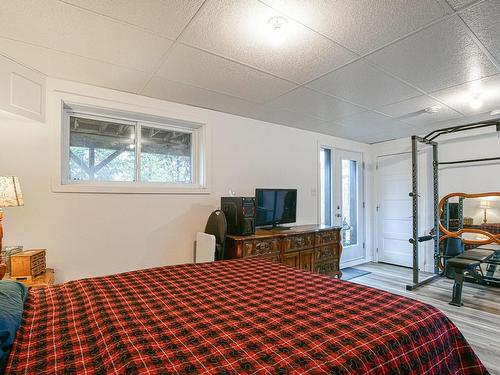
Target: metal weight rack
<point>429,140</point>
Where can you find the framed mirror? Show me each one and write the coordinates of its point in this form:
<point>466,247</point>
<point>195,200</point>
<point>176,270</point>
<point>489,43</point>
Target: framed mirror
<point>472,218</point>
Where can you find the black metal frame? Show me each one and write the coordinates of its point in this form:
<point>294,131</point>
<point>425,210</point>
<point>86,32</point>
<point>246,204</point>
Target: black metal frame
<point>416,239</point>
<point>429,139</point>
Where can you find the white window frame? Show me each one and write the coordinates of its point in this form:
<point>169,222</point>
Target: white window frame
<point>199,152</point>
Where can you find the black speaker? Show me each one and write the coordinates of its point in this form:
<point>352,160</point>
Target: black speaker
<point>240,214</point>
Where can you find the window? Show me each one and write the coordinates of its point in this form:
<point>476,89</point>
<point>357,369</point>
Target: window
<point>130,150</point>
<point>341,196</point>
<point>326,186</point>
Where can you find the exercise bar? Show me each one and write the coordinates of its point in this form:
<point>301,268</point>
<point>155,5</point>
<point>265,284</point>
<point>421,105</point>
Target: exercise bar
<point>468,161</point>
<point>453,129</point>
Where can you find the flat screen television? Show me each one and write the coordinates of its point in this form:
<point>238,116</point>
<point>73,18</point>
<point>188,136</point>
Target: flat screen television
<point>275,206</point>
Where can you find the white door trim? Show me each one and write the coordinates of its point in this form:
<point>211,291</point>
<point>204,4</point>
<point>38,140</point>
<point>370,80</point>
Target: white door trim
<point>363,196</point>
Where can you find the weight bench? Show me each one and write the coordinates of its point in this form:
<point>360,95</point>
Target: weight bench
<point>468,261</point>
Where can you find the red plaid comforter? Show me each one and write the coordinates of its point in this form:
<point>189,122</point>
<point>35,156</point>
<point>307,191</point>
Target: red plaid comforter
<point>240,316</point>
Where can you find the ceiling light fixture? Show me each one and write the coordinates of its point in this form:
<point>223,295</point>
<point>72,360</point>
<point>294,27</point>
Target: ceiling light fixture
<point>495,112</point>
<point>277,24</point>
<point>476,102</point>
<point>433,109</point>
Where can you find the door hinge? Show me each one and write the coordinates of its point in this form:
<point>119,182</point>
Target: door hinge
<point>363,245</point>
<point>363,165</point>
<point>376,249</point>
<point>363,204</point>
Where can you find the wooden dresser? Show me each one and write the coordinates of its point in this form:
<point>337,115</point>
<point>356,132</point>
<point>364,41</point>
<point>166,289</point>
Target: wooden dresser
<point>311,247</point>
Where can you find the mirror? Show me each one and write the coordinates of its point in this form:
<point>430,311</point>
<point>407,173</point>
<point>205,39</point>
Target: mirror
<point>474,218</point>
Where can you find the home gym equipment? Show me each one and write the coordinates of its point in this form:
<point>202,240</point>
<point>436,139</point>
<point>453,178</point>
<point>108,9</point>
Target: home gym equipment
<point>430,140</point>
<point>470,261</point>
<point>465,265</point>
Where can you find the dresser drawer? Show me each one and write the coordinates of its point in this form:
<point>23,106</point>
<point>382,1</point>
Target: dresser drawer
<point>261,247</point>
<point>298,242</point>
<point>327,268</point>
<point>327,237</point>
<point>326,252</point>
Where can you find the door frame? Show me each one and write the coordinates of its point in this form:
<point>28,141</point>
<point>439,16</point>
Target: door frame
<point>426,254</point>
<point>362,194</point>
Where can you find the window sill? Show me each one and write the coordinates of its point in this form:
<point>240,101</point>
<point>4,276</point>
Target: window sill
<point>129,189</point>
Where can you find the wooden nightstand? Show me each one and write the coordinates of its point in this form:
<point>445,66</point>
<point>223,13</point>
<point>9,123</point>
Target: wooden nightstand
<point>44,279</point>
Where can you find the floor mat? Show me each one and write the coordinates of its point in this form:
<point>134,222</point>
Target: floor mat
<point>350,273</point>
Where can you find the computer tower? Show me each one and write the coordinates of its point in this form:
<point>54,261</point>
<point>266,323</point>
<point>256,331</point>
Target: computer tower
<point>240,214</point>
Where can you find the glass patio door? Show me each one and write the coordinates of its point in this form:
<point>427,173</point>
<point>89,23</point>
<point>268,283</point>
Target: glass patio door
<point>341,198</point>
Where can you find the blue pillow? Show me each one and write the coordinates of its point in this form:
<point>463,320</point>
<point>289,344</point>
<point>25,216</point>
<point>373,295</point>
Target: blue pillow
<point>12,297</point>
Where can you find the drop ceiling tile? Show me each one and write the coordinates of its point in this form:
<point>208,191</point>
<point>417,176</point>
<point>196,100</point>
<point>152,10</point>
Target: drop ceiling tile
<point>484,21</point>
<point>366,134</point>
<point>167,18</point>
<point>239,30</point>
<point>372,127</point>
<point>74,68</point>
<point>338,131</point>
<point>412,111</point>
<point>486,90</point>
<point>56,25</point>
<point>287,118</point>
<point>198,68</point>
<point>314,104</point>
<point>364,85</point>
<point>457,4</point>
<point>368,121</point>
<point>161,88</point>
<point>440,56</point>
<point>362,25</point>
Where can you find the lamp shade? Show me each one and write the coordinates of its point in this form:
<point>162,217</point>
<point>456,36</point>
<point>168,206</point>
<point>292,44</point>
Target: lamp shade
<point>484,204</point>
<point>10,192</point>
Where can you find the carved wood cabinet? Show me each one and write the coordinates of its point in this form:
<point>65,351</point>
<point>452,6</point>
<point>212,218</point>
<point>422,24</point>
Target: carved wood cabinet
<point>313,248</point>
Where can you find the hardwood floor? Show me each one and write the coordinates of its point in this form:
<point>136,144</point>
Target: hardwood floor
<point>478,319</point>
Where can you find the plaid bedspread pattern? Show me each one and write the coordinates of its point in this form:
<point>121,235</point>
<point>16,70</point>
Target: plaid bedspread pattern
<point>241,316</point>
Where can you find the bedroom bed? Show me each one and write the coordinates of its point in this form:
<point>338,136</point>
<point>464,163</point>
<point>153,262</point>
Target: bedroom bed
<point>239,316</point>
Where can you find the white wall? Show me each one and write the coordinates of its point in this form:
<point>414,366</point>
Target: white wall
<point>467,178</point>
<point>96,234</point>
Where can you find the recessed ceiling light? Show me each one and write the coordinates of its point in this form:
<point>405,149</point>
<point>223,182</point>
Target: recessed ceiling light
<point>495,112</point>
<point>277,24</point>
<point>476,103</point>
<point>433,109</point>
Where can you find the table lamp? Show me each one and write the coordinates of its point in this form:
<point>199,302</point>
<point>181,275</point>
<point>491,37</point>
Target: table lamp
<point>484,205</point>
<point>10,196</point>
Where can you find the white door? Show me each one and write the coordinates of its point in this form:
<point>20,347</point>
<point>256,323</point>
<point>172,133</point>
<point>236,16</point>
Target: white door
<point>394,208</point>
<point>341,193</point>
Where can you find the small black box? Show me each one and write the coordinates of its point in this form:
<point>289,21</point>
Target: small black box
<point>240,214</point>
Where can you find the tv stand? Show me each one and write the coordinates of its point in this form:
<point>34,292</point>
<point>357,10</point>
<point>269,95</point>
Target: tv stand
<point>313,248</point>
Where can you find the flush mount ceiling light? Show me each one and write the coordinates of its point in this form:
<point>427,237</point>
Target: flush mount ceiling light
<point>277,25</point>
<point>476,102</point>
<point>495,112</point>
<point>433,109</point>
